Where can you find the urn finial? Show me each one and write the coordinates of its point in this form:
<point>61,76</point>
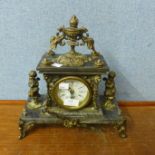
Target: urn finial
<point>74,21</point>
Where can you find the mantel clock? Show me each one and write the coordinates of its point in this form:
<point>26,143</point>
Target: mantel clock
<point>73,79</point>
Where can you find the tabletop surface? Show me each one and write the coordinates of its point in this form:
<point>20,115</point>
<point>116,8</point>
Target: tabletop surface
<point>47,140</point>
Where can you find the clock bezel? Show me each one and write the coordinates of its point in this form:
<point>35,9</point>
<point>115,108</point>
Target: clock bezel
<point>59,102</point>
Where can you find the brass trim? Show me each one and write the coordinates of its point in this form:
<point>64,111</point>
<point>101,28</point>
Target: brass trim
<point>74,36</point>
<point>58,101</point>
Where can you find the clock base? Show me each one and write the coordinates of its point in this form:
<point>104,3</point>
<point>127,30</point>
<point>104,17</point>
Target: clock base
<point>38,113</point>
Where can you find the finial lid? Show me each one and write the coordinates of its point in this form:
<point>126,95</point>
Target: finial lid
<point>74,21</point>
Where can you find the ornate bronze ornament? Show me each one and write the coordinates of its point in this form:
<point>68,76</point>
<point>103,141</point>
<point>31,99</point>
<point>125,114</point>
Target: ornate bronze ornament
<point>73,80</point>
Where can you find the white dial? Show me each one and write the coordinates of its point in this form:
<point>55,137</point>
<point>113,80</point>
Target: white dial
<point>71,92</point>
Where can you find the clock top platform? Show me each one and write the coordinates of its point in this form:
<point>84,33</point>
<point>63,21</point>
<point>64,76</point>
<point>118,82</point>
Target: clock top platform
<point>51,66</point>
<point>72,62</point>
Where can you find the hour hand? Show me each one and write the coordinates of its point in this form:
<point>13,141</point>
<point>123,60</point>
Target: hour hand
<point>71,92</point>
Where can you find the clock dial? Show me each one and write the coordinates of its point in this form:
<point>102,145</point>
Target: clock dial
<point>76,90</point>
<point>72,92</point>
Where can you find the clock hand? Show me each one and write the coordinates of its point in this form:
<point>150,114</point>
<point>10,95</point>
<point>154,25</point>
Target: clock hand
<point>71,92</point>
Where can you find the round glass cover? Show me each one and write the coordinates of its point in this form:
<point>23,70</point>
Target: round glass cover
<point>71,93</point>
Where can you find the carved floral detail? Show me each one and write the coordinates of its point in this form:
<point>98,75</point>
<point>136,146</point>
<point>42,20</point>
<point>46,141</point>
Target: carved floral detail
<point>70,123</point>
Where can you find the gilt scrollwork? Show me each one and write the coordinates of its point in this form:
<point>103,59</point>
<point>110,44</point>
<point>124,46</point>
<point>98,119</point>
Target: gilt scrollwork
<point>120,125</point>
<point>50,80</point>
<point>73,36</point>
<point>55,40</point>
<point>68,123</point>
<point>95,82</point>
<point>90,44</point>
<point>24,127</point>
<point>99,63</point>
